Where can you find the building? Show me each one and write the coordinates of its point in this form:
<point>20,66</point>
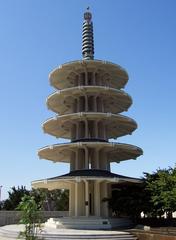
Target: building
<point>88,102</point>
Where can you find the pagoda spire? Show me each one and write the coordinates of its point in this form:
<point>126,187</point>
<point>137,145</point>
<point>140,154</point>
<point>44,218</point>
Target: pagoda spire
<point>87,37</point>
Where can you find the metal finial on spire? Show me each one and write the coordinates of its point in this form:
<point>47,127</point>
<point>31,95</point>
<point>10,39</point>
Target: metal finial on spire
<point>87,37</point>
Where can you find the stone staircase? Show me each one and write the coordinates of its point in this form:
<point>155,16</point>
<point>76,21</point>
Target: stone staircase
<point>12,231</point>
<point>88,223</point>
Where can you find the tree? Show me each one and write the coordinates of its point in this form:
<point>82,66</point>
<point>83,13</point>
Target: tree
<point>57,199</point>
<point>30,217</point>
<point>1,205</point>
<point>162,187</point>
<point>15,196</point>
<point>128,200</point>
<point>62,202</point>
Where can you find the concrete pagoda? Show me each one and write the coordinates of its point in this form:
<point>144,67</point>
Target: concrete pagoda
<point>88,102</point>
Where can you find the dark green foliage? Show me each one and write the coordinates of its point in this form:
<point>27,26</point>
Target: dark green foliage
<point>1,205</point>
<point>51,200</point>
<point>57,199</point>
<point>15,196</point>
<point>154,197</point>
<point>162,187</point>
<point>128,200</point>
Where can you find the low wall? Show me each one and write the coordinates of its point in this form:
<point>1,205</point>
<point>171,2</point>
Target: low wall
<point>157,222</point>
<point>13,217</point>
<point>142,235</point>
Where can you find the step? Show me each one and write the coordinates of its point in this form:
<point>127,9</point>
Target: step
<point>9,233</point>
<point>88,223</point>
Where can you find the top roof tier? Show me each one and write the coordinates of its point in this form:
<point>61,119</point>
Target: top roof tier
<point>88,73</point>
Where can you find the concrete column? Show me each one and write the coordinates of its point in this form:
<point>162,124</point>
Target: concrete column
<point>97,158</point>
<point>73,131</point>
<point>86,129</point>
<point>106,203</point>
<point>72,161</point>
<point>103,162</point>
<point>81,129</point>
<point>102,105</point>
<point>76,159</point>
<point>77,130</point>
<point>97,198</point>
<point>72,200</point>
<point>78,104</point>
<point>86,158</point>
<point>76,199</point>
<point>100,80</point>
<point>74,105</point>
<point>81,158</point>
<point>108,166</point>
<point>79,82</point>
<point>96,128</point>
<point>86,78</point>
<point>81,104</point>
<point>104,132</point>
<point>109,193</point>
<point>104,194</point>
<point>79,198</point>
<point>94,80</point>
<point>95,103</point>
<point>86,103</point>
<point>87,198</point>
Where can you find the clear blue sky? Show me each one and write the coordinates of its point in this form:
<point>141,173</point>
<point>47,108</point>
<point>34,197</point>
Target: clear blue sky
<point>37,36</point>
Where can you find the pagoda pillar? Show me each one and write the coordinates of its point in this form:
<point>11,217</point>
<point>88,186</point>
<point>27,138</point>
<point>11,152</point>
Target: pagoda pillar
<point>77,130</point>
<point>102,105</point>
<point>95,103</point>
<point>72,200</point>
<point>97,198</point>
<point>108,166</point>
<point>96,129</point>
<point>72,161</point>
<point>76,159</point>
<point>86,166</point>
<point>104,194</point>
<point>97,158</point>
<point>86,129</point>
<point>76,199</point>
<point>86,104</point>
<point>87,204</point>
<point>79,198</point>
<point>93,78</point>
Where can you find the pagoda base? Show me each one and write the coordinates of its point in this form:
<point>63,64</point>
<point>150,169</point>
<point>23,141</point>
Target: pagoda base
<point>12,232</point>
<point>94,223</point>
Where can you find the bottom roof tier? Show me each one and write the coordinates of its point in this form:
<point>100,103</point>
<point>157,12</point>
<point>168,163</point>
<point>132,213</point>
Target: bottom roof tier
<point>65,181</point>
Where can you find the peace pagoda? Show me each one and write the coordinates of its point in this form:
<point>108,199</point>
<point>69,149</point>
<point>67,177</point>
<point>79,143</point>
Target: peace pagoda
<point>88,103</point>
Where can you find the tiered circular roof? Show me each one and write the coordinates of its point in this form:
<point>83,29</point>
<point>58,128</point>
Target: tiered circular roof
<point>116,125</point>
<point>65,76</point>
<point>66,79</point>
<point>115,100</point>
<point>63,181</point>
<point>116,151</point>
